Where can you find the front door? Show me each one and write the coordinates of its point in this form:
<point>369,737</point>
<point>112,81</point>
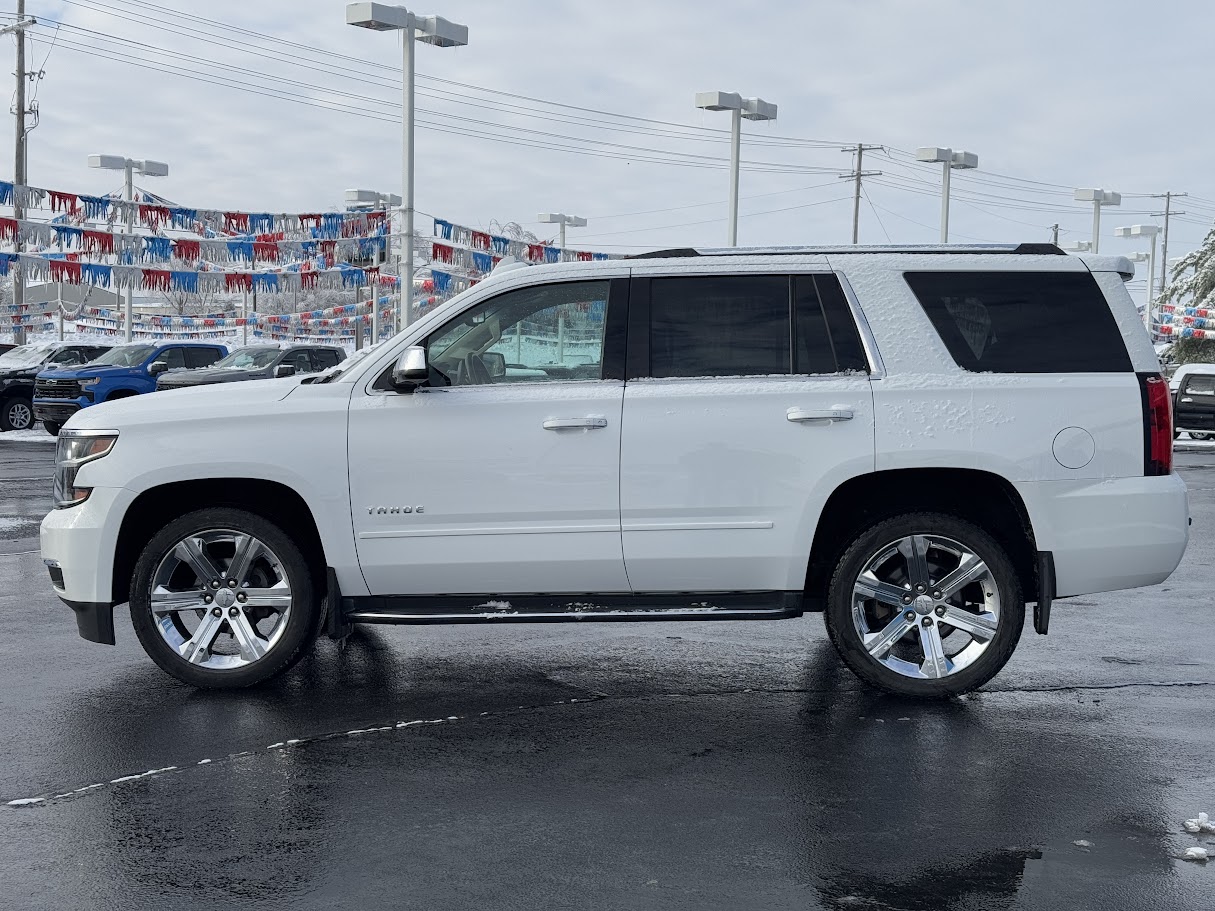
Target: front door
<point>501,475</point>
<point>750,406</point>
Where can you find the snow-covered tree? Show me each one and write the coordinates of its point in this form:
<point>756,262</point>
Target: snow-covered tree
<point>1193,285</point>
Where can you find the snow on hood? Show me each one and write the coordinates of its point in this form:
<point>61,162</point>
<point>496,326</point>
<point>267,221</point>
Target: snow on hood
<point>198,403</point>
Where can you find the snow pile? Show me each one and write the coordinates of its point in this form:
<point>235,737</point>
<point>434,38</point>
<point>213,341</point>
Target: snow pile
<point>1202,824</point>
<point>1196,853</point>
<point>33,435</point>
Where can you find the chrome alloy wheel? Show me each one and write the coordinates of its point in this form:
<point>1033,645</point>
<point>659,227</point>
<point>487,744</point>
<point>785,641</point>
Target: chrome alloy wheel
<point>925,606</point>
<point>220,599</point>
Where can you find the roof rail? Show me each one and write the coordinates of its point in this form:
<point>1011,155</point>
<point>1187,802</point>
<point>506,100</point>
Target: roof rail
<point>1028,249</point>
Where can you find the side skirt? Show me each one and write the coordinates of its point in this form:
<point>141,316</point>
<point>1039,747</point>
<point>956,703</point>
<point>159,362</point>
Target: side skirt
<point>568,608</point>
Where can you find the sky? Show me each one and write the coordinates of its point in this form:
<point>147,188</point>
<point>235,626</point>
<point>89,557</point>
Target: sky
<point>534,114</point>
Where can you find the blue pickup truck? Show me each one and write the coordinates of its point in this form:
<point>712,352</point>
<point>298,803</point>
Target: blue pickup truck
<point>122,371</point>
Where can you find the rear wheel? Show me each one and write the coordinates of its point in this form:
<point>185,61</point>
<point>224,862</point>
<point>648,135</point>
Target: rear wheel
<point>52,427</point>
<point>925,605</point>
<point>16,413</point>
<point>1196,435</point>
<point>224,598</point>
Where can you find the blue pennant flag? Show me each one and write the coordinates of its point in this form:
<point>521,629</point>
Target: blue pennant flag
<point>261,222</point>
<point>181,218</point>
<point>482,262</point>
<point>95,274</point>
<point>442,229</point>
<point>184,281</point>
<point>501,244</point>
<point>95,207</point>
<point>240,249</point>
<point>67,237</point>
<point>442,280</point>
<point>265,281</point>
<point>158,248</point>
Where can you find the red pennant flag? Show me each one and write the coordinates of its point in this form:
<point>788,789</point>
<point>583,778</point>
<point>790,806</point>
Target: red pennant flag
<point>238,281</point>
<point>156,279</point>
<point>267,251</point>
<point>97,242</point>
<point>442,253</point>
<point>8,228</point>
<point>480,240</point>
<point>236,221</point>
<point>309,279</point>
<point>187,249</point>
<point>63,202</point>
<point>153,216</point>
<point>63,270</point>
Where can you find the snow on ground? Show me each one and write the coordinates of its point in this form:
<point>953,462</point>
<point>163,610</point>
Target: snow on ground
<point>8,524</point>
<point>33,435</point>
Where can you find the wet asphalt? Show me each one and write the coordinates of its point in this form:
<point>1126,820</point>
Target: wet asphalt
<point>651,765</point>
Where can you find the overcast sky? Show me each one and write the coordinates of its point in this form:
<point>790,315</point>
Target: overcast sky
<point>1095,93</point>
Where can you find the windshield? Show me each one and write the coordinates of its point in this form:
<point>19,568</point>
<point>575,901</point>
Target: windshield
<point>26,354</point>
<point>249,358</point>
<point>126,355</point>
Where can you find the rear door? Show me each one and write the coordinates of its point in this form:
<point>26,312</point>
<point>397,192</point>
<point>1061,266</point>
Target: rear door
<point>742,412</point>
<point>1196,402</point>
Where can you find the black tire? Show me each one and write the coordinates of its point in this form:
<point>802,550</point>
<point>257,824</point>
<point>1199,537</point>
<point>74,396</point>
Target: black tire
<point>847,639</point>
<point>1199,435</point>
<point>52,427</point>
<point>302,624</point>
<point>16,413</point>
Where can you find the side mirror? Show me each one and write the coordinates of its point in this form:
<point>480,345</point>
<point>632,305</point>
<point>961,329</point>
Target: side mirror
<point>157,367</point>
<point>495,363</point>
<point>411,368</point>
<point>284,370</point>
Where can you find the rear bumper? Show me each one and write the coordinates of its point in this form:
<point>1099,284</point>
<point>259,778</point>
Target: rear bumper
<point>1109,535</point>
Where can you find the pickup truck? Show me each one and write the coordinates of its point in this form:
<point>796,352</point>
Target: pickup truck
<point>121,372</point>
<point>19,366</point>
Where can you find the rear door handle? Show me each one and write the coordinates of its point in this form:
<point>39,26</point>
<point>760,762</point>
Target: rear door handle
<point>823,416</point>
<point>592,423</point>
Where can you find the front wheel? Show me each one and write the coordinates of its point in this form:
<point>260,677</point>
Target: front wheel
<point>52,427</point>
<point>925,605</point>
<point>16,413</point>
<point>1196,435</point>
<point>223,598</point>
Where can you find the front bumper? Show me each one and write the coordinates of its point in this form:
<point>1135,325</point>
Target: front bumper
<point>57,411</point>
<point>78,546</point>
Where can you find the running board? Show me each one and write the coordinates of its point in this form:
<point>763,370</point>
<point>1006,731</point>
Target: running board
<point>572,608</point>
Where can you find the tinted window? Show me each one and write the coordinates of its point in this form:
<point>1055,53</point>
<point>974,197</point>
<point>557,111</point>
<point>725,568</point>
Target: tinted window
<point>849,354</point>
<point>1199,384</point>
<point>173,357</point>
<point>299,360</point>
<point>324,358</point>
<point>1022,322</point>
<point>66,356</point>
<point>719,325</point>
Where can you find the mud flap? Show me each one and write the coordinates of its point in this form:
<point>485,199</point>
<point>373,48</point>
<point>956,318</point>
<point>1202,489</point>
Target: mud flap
<point>337,625</point>
<point>1046,591</point>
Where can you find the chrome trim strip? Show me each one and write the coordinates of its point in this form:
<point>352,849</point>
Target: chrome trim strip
<point>695,526</point>
<point>868,342</point>
<point>504,530</point>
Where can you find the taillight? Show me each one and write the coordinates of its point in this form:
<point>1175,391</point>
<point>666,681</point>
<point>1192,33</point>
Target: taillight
<point>1157,425</point>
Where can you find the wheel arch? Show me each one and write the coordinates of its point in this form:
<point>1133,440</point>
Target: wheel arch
<point>981,497</point>
<point>156,506</point>
<point>123,392</point>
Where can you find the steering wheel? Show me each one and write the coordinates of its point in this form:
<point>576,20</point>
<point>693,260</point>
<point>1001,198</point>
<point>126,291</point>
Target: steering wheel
<point>473,372</point>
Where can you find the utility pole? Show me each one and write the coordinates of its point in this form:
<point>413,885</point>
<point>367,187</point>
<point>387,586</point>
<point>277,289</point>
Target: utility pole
<point>1167,213</point>
<point>856,175</point>
<point>19,134</point>
<point>1054,234</point>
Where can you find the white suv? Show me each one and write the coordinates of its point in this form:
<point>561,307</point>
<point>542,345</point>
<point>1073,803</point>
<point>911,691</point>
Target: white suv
<point>914,441</point>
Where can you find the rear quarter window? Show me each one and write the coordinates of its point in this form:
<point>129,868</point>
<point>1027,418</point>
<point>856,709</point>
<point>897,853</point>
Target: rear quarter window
<point>1022,322</point>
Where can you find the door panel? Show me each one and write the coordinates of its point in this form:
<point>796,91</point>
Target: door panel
<point>501,476</point>
<point>720,490</point>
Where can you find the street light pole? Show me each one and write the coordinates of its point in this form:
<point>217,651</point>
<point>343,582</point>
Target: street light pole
<point>434,30</point>
<point>560,218</point>
<point>739,107</point>
<point>949,160</point>
<point>129,166</point>
<point>1145,231</point>
<point>1098,198</point>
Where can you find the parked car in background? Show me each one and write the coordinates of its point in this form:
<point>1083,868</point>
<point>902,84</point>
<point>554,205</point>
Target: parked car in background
<point>257,362</point>
<point>907,439</point>
<point>1194,401</point>
<point>19,366</point>
<point>121,372</point>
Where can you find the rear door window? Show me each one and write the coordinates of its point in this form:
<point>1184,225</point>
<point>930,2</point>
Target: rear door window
<point>1200,384</point>
<point>202,357</point>
<point>1022,322</point>
<point>173,358</point>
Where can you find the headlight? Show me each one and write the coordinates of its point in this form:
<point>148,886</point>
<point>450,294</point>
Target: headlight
<point>91,381</point>
<point>75,448</point>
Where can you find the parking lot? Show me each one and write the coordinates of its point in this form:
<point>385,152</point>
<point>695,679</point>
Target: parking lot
<point>608,766</point>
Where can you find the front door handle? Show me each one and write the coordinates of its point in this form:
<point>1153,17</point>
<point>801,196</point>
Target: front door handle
<point>592,423</point>
<point>824,416</point>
